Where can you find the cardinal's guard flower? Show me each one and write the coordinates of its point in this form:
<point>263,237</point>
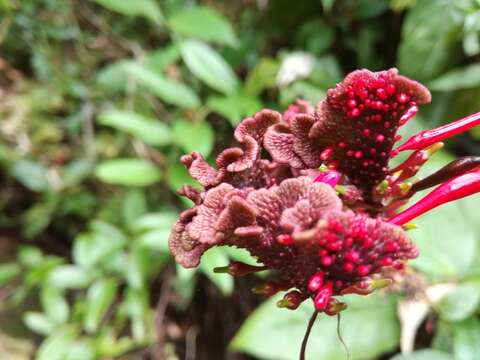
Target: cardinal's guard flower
<point>311,196</point>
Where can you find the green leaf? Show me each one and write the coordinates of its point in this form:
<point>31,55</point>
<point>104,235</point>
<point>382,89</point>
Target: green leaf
<point>31,174</point>
<point>170,91</point>
<point>193,136</point>
<point>99,297</point>
<point>262,76</point>
<point>8,272</point>
<point>30,256</point>
<point>438,233</point>
<point>205,24</point>
<point>430,35</point>
<point>461,302</point>
<point>460,78</point>
<point>114,76</point>
<point>38,217</point>
<point>466,339</point>
<point>155,221</point>
<point>76,171</point>
<point>149,130</point>
<point>369,327</point>
<point>156,240</point>
<point>81,350</point>
<point>134,206</point>
<point>428,354</point>
<point>102,241</point>
<point>128,172</point>
<point>69,277</point>
<point>58,344</point>
<point>471,29</point>
<point>144,8</point>
<point>234,107</point>
<point>159,59</point>
<point>205,63</point>
<point>38,323</point>
<point>212,258</point>
<point>54,304</point>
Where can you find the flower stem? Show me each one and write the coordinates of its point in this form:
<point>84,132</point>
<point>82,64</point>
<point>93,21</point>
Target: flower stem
<point>307,334</point>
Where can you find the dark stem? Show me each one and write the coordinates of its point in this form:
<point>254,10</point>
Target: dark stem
<point>307,334</point>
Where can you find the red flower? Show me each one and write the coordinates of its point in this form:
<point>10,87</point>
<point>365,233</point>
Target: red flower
<point>314,209</point>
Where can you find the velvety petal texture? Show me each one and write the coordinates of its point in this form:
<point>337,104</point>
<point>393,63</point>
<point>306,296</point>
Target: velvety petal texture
<point>302,192</point>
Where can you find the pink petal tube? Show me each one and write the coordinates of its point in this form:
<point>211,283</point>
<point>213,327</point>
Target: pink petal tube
<point>428,137</point>
<point>457,188</point>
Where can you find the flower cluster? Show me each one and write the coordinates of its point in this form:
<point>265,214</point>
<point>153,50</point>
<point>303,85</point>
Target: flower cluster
<point>311,196</point>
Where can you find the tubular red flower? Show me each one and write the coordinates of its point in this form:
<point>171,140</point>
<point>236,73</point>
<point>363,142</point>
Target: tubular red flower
<point>428,137</point>
<point>457,188</point>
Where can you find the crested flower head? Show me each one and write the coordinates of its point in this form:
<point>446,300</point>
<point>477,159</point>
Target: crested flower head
<point>311,196</point>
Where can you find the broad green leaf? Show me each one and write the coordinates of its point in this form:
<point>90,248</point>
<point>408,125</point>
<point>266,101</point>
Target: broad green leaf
<point>76,171</point>
<point>81,349</point>
<point>154,221</point>
<point>315,36</point>
<point>58,344</point>
<point>439,231</point>
<point>430,35</point>
<point>428,354</point>
<point>54,304</point>
<point>39,273</point>
<point>262,76</point>
<point>136,304</point>
<point>90,249</point>
<point>30,256</point>
<point>161,58</point>
<point>38,217</point>
<point>99,297</point>
<point>69,277</point>
<point>460,78</point>
<point>203,23</point>
<point>212,258</point>
<point>369,327</point>
<point>31,174</point>
<point>466,339</point>
<point>171,91</point>
<point>38,322</point>
<point>461,302</point>
<point>156,240</point>
<point>193,136</point>
<point>150,131</point>
<point>114,76</point>
<point>144,8</point>
<point>209,66</point>
<point>471,37</point>
<point>8,272</point>
<point>134,205</point>
<point>234,107</point>
<point>128,172</point>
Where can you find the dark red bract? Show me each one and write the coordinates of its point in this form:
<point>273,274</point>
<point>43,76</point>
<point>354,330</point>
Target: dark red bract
<point>315,209</point>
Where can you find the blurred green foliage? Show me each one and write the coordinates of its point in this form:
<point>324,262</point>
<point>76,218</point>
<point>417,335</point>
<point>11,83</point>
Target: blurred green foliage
<point>98,99</point>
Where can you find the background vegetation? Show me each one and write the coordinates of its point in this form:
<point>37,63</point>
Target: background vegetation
<point>98,99</point>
